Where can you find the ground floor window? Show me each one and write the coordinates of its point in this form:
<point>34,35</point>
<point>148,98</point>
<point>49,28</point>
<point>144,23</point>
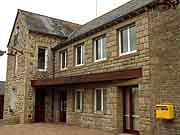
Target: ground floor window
<point>131,109</point>
<point>78,101</point>
<point>98,100</point>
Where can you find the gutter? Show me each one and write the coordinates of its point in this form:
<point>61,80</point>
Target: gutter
<point>168,3</point>
<point>107,25</point>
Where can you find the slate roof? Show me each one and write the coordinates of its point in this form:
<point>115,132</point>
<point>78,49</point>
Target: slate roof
<point>48,25</point>
<point>109,17</point>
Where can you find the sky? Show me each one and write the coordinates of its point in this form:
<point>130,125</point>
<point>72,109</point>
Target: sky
<point>78,11</point>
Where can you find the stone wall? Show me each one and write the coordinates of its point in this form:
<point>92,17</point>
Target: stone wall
<point>16,80</point>
<point>114,62</point>
<point>28,43</point>
<point>106,120</point>
<point>35,41</point>
<point>157,39</point>
<point>164,32</point>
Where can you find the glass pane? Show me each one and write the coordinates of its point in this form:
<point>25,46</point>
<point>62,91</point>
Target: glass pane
<point>78,100</point>
<point>41,58</point>
<point>124,42</point>
<point>135,101</point>
<point>82,61</point>
<point>135,108</point>
<point>127,110</point>
<point>98,100</point>
<point>136,123</point>
<point>128,125</point>
<point>78,55</point>
<point>63,60</point>
<point>132,38</point>
<point>104,53</point>
<point>98,49</point>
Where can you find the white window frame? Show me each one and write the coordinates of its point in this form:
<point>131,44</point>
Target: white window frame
<point>46,59</point>
<point>102,100</point>
<point>62,59</point>
<point>101,48</point>
<point>120,42</point>
<point>82,55</point>
<point>81,98</point>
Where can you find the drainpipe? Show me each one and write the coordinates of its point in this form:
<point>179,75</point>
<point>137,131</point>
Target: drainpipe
<point>52,107</point>
<point>53,89</point>
<point>53,64</point>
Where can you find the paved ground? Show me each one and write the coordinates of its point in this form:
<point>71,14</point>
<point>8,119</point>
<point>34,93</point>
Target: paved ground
<point>47,129</point>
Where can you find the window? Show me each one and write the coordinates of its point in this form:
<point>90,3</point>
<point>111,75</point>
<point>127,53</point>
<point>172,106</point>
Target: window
<point>42,59</point>
<point>63,56</point>
<point>98,100</point>
<point>79,51</point>
<point>100,49</point>
<point>13,100</point>
<point>78,101</point>
<point>127,40</point>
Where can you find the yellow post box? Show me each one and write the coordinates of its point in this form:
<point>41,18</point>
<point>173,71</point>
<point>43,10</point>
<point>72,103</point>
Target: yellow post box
<point>165,111</point>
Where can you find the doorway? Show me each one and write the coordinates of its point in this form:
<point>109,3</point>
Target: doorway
<point>1,106</point>
<point>62,106</point>
<point>40,105</point>
<point>130,110</point>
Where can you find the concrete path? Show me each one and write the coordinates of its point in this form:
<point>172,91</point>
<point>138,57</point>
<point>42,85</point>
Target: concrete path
<point>47,129</point>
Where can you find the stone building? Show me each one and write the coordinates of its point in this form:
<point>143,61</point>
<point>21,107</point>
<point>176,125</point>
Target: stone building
<point>2,87</point>
<point>108,73</point>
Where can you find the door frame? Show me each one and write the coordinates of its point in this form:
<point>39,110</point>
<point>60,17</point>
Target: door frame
<point>131,105</point>
<point>62,112</point>
<point>42,107</point>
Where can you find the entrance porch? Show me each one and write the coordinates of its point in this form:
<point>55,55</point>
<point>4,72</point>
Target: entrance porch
<point>50,105</point>
<point>107,102</point>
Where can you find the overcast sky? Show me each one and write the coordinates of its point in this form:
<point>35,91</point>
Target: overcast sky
<point>79,11</point>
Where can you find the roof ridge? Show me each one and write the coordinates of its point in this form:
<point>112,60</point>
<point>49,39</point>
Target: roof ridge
<point>105,19</point>
<point>78,26</point>
<point>25,11</point>
<point>109,12</point>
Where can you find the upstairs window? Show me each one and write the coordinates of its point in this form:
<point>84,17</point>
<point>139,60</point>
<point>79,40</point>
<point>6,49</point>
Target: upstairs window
<point>98,100</point>
<point>42,59</point>
<point>79,57</point>
<point>63,56</point>
<point>127,40</point>
<point>78,101</point>
<point>100,49</point>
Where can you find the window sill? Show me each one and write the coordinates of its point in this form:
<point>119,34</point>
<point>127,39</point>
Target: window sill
<point>78,111</point>
<point>100,60</point>
<point>63,69</point>
<point>127,55</point>
<point>42,70</point>
<point>128,134</point>
<point>79,65</point>
<point>99,112</point>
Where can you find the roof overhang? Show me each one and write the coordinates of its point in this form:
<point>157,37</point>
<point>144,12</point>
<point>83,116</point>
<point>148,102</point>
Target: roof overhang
<point>89,78</point>
<point>167,3</point>
<point>107,25</point>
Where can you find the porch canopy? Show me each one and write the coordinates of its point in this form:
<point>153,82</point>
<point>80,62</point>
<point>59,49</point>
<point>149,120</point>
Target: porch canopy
<point>89,78</point>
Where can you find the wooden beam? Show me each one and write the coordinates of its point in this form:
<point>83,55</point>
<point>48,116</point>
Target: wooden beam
<point>89,78</point>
